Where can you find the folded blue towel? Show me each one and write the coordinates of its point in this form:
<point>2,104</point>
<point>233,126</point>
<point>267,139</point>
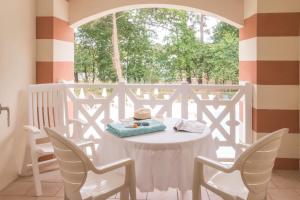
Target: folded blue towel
<point>120,130</point>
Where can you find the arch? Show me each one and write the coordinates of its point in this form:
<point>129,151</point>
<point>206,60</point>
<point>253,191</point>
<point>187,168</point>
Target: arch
<point>230,11</point>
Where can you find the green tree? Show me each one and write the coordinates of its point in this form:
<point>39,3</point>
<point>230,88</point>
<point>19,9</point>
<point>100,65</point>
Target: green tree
<point>182,55</point>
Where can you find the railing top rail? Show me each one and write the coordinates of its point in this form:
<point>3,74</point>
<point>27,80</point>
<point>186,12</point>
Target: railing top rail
<point>131,85</point>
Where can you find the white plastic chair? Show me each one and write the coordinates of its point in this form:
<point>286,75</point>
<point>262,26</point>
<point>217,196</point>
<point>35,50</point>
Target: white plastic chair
<point>82,180</point>
<point>48,108</point>
<point>247,178</point>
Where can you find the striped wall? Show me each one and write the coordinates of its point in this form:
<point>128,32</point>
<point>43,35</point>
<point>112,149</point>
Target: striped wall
<point>55,38</point>
<point>269,59</point>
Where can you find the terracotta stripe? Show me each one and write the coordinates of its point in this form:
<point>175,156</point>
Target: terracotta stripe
<point>53,72</point>
<point>63,71</point>
<point>278,72</point>
<point>53,28</point>
<point>270,72</point>
<point>250,28</point>
<point>287,163</point>
<point>278,24</point>
<point>267,121</point>
<point>248,71</point>
<point>44,72</point>
<point>271,24</point>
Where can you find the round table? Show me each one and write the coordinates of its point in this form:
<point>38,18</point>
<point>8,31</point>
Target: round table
<point>163,159</point>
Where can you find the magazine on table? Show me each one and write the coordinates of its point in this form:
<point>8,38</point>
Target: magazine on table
<point>189,126</point>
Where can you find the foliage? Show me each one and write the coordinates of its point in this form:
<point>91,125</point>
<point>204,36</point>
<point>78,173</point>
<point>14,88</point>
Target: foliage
<point>182,55</point>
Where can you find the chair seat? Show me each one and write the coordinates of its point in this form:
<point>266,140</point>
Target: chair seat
<point>44,149</point>
<point>230,183</point>
<point>97,185</point>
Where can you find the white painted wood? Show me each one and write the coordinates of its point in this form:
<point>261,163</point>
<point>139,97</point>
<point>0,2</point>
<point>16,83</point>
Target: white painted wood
<point>86,181</point>
<point>99,104</point>
<point>247,178</point>
<point>208,100</point>
<point>47,108</point>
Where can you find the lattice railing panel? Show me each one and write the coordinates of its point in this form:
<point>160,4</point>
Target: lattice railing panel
<point>226,109</point>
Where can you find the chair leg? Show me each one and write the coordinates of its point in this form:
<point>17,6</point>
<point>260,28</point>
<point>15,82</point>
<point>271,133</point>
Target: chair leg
<point>198,174</point>
<point>132,192</point>
<point>93,147</point>
<point>65,196</point>
<point>196,193</point>
<point>36,174</point>
<point>124,194</point>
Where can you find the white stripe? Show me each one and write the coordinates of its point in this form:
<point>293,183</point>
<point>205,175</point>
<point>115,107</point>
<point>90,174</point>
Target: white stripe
<point>54,50</point>
<point>278,6</point>
<point>248,49</point>
<point>270,48</point>
<point>278,48</point>
<point>290,147</point>
<point>55,8</point>
<point>44,50</point>
<point>277,97</point>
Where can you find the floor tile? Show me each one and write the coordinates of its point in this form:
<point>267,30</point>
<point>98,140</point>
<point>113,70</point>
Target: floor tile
<point>50,198</point>
<point>188,195</point>
<point>61,192</point>
<point>284,194</point>
<point>139,195</point>
<point>17,188</point>
<point>286,182</point>
<point>49,189</point>
<point>272,185</point>
<point>17,198</point>
<point>285,185</point>
<point>171,194</point>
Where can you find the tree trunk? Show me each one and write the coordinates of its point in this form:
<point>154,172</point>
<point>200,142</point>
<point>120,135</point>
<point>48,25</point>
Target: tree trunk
<point>85,74</point>
<point>116,52</point>
<point>189,79</point>
<point>76,77</point>
<point>201,23</point>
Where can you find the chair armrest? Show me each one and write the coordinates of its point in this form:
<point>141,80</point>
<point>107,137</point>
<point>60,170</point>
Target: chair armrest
<point>112,166</point>
<point>77,122</point>
<point>214,164</point>
<point>243,145</point>
<point>82,143</point>
<point>32,129</point>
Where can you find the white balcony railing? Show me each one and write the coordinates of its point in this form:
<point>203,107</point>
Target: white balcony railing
<point>226,109</point>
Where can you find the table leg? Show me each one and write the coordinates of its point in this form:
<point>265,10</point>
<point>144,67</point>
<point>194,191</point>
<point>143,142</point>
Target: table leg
<point>183,195</point>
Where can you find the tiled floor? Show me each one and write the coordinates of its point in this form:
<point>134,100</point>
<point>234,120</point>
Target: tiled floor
<point>285,185</point>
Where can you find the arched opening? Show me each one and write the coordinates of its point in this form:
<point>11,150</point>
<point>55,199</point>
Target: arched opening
<point>181,56</point>
<point>158,45</point>
<point>231,11</point>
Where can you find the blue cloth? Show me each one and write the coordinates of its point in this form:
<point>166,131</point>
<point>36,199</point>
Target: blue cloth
<point>120,129</point>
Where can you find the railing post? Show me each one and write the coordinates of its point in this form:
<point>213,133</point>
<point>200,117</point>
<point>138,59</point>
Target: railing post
<point>184,99</point>
<point>248,113</point>
<point>121,99</point>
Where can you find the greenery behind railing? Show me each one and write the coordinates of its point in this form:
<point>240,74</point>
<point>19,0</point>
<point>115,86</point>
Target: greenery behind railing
<point>156,46</point>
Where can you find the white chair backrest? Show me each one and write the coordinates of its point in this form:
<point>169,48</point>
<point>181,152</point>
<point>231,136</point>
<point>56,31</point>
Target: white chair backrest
<point>73,163</point>
<point>256,163</point>
<point>46,106</point>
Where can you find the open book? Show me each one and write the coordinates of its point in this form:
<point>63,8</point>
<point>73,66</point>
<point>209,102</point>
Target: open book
<point>189,126</point>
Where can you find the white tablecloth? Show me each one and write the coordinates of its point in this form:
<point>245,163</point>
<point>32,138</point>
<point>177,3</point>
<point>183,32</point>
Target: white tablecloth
<point>162,160</point>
